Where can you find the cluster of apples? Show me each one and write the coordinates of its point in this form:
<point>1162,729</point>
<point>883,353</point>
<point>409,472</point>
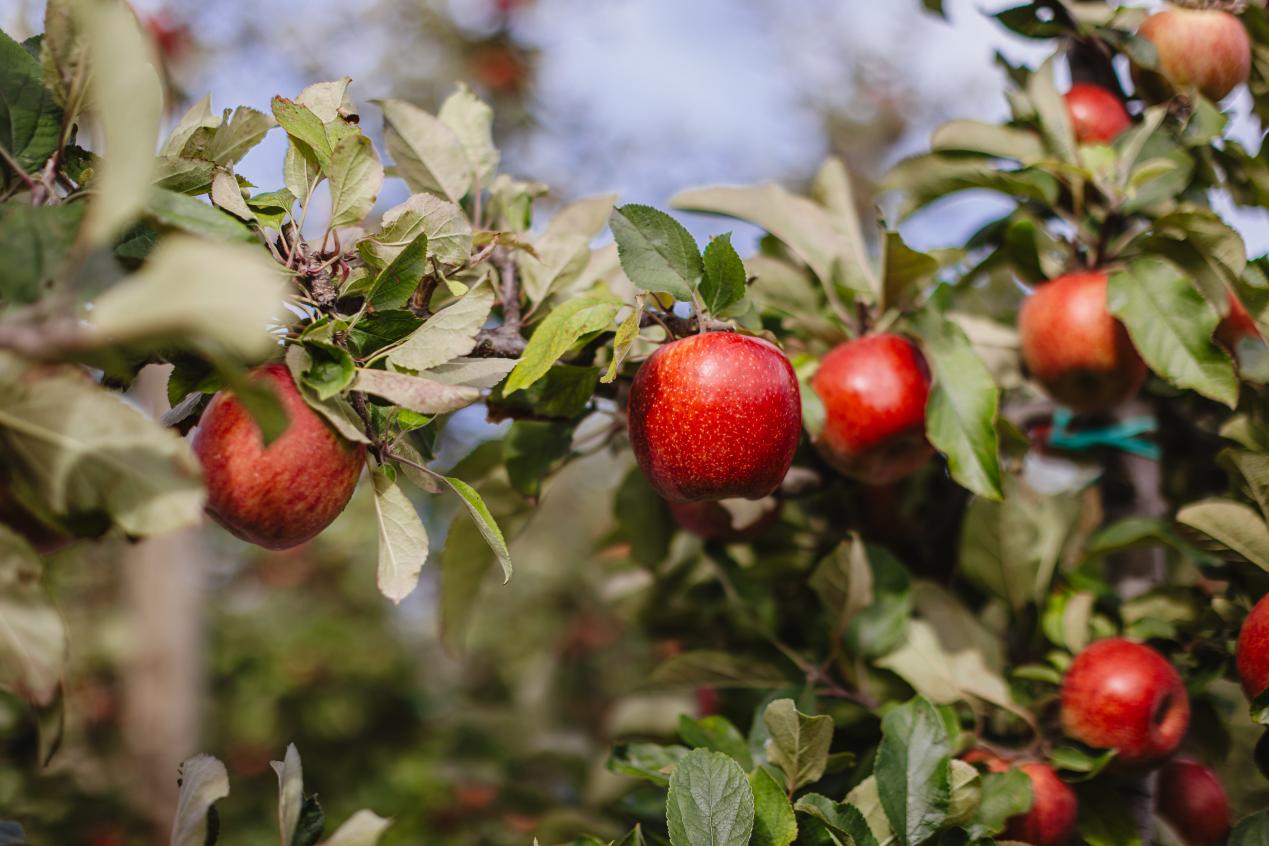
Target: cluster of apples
<point>1071,344</point>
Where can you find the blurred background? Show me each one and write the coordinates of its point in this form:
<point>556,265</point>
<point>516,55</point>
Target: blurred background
<point>199,643</point>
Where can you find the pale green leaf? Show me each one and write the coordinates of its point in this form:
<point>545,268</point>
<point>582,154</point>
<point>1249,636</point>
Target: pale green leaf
<point>798,743</point>
<point>449,234</point>
<point>485,522</point>
<point>415,393</point>
<point>355,179</point>
<point>561,329</point>
<point>33,638</point>
<point>428,154</point>
<point>290,773</point>
<point>363,828</point>
<point>1232,526</point>
<point>471,119</point>
<point>627,332</point>
<point>448,334</point>
<point>203,781</point>
<point>403,543</point>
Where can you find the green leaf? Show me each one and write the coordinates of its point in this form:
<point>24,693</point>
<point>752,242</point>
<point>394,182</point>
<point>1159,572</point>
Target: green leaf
<point>843,819</point>
<point>233,138</point>
<point>716,733</point>
<point>86,451</point>
<point>465,561</point>
<point>338,411</point>
<point>203,781</point>
<point>449,235</point>
<point>1102,821</point>
<point>363,828</point>
<point>1171,325</point>
<point>724,281</point>
<point>301,171</point>
<point>564,393</point>
<point>931,177</point>
<point>1229,527</point>
<point>530,449</point>
<point>904,272</point>
<point>799,743</point>
<point>878,628</point>
<point>989,139</point>
<point>331,369</point>
<point>1055,119</point>
<point>415,392</point>
<point>428,154</point>
<point>63,54</point>
<point>644,519</point>
<point>312,823</point>
<point>648,761</point>
<point>627,333</point>
<point>34,245</point>
<point>656,252</point>
<point>226,194</point>
<point>473,372</point>
<point>912,768</point>
<point>942,675</point>
<point>33,639</point>
<point>195,216</point>
<point>216,297</point>
<point>1011,549</point>
<point>471,119</point>
<point>448,334</point>
<point>710,802</point>
<point>960,416</point>
<point>1081,761</point>
<point>1005,795</point>
<point>561,329</point>
<point>396,283</point>
<point>305,127</point>
<point>843,582</point>
<point>633,838</point>
<point>485,522</point>
<point>355,179</point>
<point>705,668</point>
<point>30,119</point>
<point>1252,831</point>
<point>128,99</point>
<point>403,543</point>
<point>774,822</point>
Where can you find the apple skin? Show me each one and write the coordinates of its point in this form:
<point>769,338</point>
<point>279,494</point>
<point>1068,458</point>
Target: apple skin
<point>1192,799</point>
<point>1252,654</point>
<point>1054,809</point>
<point>715,416</point>
<point>874,390</point>
<point>1236,325</point>
<point>1125,696</point>
<point>283,495</point>
<point>1075,348</point>
<point>711,521</point>
<point>1097,115</point>
<point>1205,49</point>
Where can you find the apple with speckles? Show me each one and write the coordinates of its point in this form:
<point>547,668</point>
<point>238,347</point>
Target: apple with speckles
<point>1054,809</point>
<point>1204,49</point>
<point>284,494</point>
<point>1192,799</point>
<point>874,391</point>
<point>1252,654</point>
<point>709,520</point>
<point>1125,696</point>
<point>1097,115</point>
<point>1075,348</point>
<point>715,416</point>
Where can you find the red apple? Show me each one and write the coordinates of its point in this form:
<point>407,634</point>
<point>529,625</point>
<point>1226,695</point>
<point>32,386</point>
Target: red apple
<point>1125,696</point>
<point>1054,809</point>
<point>1192,799</point>
<point>284,494</point>
<point>713,521</point>
<point>1236,325</point>
<point>1252,658</point>
<point>874,391</point>
<point>715,416</point>
<point>1205,49</point>
<point>1097,115</point>
<point>1075,348</point>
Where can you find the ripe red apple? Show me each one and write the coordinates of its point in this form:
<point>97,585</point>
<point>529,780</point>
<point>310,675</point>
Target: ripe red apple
<point>1075,348</point>
<point>1192,799</point>
<point>284,494</point>
<point>1125,696</point>
<point>715,416</point>
<point>1205,49</point>
<point>1054,809</point>
<point>713,521</point>
<point>1097,115</point>
<point>1252,655</point>
<point>874,391</point>
<point>1236,325</point>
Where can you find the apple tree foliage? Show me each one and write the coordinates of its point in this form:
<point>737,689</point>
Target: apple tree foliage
<point>865,641</point>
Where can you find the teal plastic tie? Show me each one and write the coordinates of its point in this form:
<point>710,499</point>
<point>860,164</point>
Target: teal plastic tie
<point>1126,436</point>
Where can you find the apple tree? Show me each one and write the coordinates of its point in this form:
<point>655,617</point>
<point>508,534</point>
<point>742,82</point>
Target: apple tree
<point>964,545</point>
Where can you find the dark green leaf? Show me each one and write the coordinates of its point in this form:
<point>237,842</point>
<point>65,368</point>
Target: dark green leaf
<point>904,272</point>
<point>375,331</point>
<point>774,822</point>
<point>656,252</point>
<point>303,126</point>
<point>912,770</point>
<point>562,328</point>
<point>30,119</point>
<point>396,283</point>
<point>710,802</point>
<point>644,519</point>
<point>649,761</point>
<point>1102,821</point>
<point>530,449</point>
<point>799,742</point>
<point>1005,795</point>
<point>878,628</point>
<point>564,393</point>
<point>960,416</point>
<point>195,216</point>
<point>309,827</point>
<point>724,279</point>
<point>843,819</point>
<point>705,668</point>
<point>34,244</point>
<point>1252,831</point>
<point>1080,763</point>
<point>331,369</point>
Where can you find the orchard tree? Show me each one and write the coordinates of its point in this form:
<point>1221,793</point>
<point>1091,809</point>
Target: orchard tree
<point>895,471</point>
